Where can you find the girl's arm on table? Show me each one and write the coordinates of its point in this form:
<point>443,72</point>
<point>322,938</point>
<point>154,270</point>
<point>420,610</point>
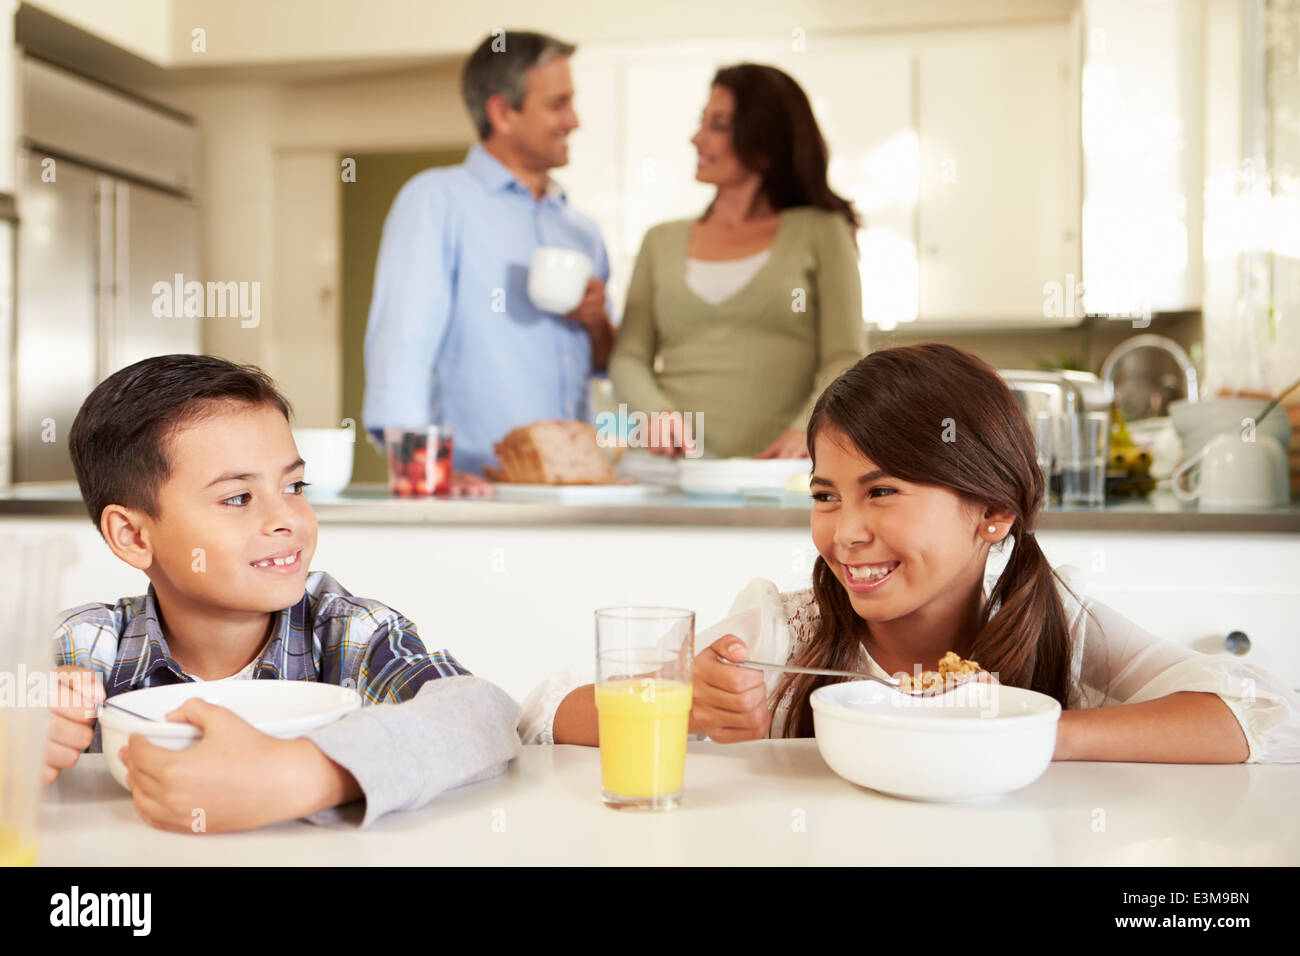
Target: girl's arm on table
<point>1187,727</point>
<point>575,718</point>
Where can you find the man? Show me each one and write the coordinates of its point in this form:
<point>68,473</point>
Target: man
<point>452,336</point>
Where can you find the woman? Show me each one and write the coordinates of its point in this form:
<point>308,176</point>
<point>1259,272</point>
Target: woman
<point>743,316</point>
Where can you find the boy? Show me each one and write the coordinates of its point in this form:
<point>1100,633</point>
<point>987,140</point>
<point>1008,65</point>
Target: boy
<point>188,467</point>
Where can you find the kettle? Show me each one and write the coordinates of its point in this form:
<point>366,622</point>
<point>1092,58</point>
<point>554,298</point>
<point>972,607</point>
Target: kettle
<point>1236,473</point>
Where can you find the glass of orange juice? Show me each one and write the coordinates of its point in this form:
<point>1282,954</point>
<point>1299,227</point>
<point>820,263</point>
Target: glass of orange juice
<point>643,704</point>
<point>32,568</point>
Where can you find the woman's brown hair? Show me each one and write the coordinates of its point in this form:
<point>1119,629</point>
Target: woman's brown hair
<point>774,132</point>
<point>936,415</point>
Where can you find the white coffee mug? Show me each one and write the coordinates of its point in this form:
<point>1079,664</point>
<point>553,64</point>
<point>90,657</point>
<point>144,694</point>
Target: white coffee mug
<point>1235,473</point>
<point>557,279</point>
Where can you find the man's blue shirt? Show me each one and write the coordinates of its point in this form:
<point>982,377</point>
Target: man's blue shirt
<point>452,337</point>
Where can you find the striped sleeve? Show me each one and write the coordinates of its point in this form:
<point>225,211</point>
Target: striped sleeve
<point>396,663</point>
<point>86,636</point>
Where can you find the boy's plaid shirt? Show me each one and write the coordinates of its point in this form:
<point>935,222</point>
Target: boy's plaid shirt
<point>328,636</point>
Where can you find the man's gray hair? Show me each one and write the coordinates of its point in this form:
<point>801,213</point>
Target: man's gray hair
<point>500,65</point>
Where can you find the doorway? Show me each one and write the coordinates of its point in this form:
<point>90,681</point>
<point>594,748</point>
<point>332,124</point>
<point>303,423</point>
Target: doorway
<point>363,208</point>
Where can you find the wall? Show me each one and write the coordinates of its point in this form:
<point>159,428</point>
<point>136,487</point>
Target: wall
<point>364,207</point>
<point>8,157</point>
<point>141,27</point>
<point>304,347</point>
<point>255,31</point>
<point>270,177</point>
<point>1085,346</point>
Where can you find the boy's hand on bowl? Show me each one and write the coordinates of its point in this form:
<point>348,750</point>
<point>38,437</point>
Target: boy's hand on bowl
<point>72,718</point>
<point>728,703</point>
<point>234,778</point>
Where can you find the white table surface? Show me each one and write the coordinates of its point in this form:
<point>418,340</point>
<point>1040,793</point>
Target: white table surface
<point>765,802</point>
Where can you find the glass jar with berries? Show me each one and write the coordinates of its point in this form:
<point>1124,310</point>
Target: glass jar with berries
<point>419,460</point>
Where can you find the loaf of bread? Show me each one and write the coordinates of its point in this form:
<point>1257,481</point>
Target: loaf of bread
<point>552,453</point>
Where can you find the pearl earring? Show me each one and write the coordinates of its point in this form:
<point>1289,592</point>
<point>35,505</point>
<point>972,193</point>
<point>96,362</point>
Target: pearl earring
<point>993,529</point>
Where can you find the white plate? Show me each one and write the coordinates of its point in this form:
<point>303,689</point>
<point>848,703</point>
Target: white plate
<point>703,476</point>
<point>642,466</point>
<point>595,494</point>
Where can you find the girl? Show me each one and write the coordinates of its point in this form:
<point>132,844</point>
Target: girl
<point>922,464</point>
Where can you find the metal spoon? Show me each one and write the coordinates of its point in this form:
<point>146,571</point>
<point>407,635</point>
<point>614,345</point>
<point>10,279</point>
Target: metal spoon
<point>125,710</point>
<point>1277,399</point>
<point>855,675</point>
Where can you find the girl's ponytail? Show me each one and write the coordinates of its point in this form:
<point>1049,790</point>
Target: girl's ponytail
<point>1027,642</point>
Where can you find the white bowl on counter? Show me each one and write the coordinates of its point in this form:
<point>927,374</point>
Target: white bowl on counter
<point>977,740</point>
<point>280,708</point>
<point>1198,422</point>
<point>734,476</point>
<point>328,453</point>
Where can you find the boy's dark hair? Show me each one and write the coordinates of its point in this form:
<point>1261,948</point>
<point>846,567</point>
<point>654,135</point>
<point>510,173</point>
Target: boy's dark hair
<point>118,441</point>
<point>500,64</point>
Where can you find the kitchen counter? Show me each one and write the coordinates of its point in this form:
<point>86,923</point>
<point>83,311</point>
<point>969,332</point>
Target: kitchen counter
<point>769,802</point>
<point>372,504</point>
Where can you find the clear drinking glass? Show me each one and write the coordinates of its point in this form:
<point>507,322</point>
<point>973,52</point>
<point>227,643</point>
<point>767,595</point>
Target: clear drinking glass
<point>1083,466</point>
<point>31,569</point>
<point>1046,428</point>
<point>643,704</point>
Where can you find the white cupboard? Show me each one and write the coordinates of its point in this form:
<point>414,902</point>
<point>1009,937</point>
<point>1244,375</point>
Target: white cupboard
<point>997,157</point>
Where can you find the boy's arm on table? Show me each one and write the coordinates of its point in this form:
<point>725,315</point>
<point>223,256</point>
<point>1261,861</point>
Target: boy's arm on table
<point>454,731</point>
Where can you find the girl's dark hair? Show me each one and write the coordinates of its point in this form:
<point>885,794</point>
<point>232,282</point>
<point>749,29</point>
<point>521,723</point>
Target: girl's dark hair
<point>774,132</point>
<point>118,441</point>
<point>936,415</point>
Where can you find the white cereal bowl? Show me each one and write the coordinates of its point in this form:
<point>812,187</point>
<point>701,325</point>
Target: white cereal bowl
<point>977,740</point>
<point>329,454</point>
<point>280,708</point>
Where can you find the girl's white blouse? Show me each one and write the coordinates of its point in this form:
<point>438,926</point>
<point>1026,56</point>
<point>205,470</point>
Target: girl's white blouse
<point>1114,662</point>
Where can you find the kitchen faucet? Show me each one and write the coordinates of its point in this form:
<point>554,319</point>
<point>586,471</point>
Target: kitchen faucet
<point>1149,341</point>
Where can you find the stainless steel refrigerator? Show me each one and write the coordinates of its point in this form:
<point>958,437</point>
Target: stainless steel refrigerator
<point>105,210</point>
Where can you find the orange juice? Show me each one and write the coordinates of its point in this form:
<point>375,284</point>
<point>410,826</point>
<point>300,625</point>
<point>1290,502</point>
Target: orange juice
<point>15,850</point>
<point>643,729</point>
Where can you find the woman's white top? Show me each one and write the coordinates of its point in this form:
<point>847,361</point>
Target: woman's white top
<point>716,282</point>
<point>1114,662</point>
